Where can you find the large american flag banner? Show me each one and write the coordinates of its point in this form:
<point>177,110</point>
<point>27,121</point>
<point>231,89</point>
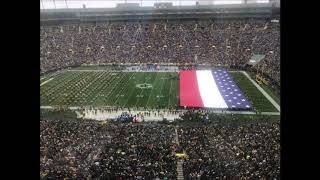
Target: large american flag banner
<point>212,89</point>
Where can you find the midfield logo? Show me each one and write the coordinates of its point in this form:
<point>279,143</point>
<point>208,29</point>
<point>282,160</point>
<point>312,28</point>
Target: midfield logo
<point>144,86</point>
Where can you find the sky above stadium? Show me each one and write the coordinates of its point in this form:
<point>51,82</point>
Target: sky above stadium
<point>61,4</point>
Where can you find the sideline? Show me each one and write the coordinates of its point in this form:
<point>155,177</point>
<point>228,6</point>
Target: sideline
<point>46,81</point>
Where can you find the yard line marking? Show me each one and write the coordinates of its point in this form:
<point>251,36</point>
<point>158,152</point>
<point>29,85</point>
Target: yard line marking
<point>105,86</point>
<point>115,86</point>
<point>122,89</point>
<point>273,102</point>
<point>130,94</point>
<point>102,87</point>
<point>145,80</point>
<point>152,89</point>
<point>46,81</point>
<point>99,87</point>
<point>162,86</point>
<point>63,81</point>
<point>90,84</point>
<point>169,92</point>
<point>270,113</point>
<point>90,78</point>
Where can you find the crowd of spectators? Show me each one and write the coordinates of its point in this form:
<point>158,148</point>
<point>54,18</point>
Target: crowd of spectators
<point>90,149</point>
<point>83,149</point>
<point>246,151</point>
<point>226,43</point>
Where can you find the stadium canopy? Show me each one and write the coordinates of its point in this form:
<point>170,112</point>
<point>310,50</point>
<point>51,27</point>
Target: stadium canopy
<point>66,4</point>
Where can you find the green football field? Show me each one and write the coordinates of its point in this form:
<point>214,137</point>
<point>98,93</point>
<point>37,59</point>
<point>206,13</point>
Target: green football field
<point>128,89</point>
<point>259,101</point>
<point>102,88</point>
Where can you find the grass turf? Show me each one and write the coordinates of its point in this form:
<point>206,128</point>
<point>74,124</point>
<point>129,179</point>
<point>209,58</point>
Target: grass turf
<point>59,115</point>
<point>93,88</point>
<point>76,88</point>
<point>93,67</point>
<point>43,79</point>
<point>270,91</point>
<point>259,101</point>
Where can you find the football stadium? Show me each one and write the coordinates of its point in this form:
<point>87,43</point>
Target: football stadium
<point>166,89</point>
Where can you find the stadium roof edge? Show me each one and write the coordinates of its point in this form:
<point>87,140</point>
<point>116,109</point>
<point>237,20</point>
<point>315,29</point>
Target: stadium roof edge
<point>151,8</point>
<point>141,13</point>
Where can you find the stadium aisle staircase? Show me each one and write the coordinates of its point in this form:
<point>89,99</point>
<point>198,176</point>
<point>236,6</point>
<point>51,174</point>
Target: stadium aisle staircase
<point>180,161</point>
<point>180,170</point>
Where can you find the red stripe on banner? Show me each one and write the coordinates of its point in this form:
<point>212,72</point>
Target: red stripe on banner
<point>189,91</point>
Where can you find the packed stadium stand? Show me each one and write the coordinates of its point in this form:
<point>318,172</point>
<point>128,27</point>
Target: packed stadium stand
<point>214,41</point>
<point>88,149</point>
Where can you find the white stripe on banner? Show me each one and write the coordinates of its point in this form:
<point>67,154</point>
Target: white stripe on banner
<point>209,91</point>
